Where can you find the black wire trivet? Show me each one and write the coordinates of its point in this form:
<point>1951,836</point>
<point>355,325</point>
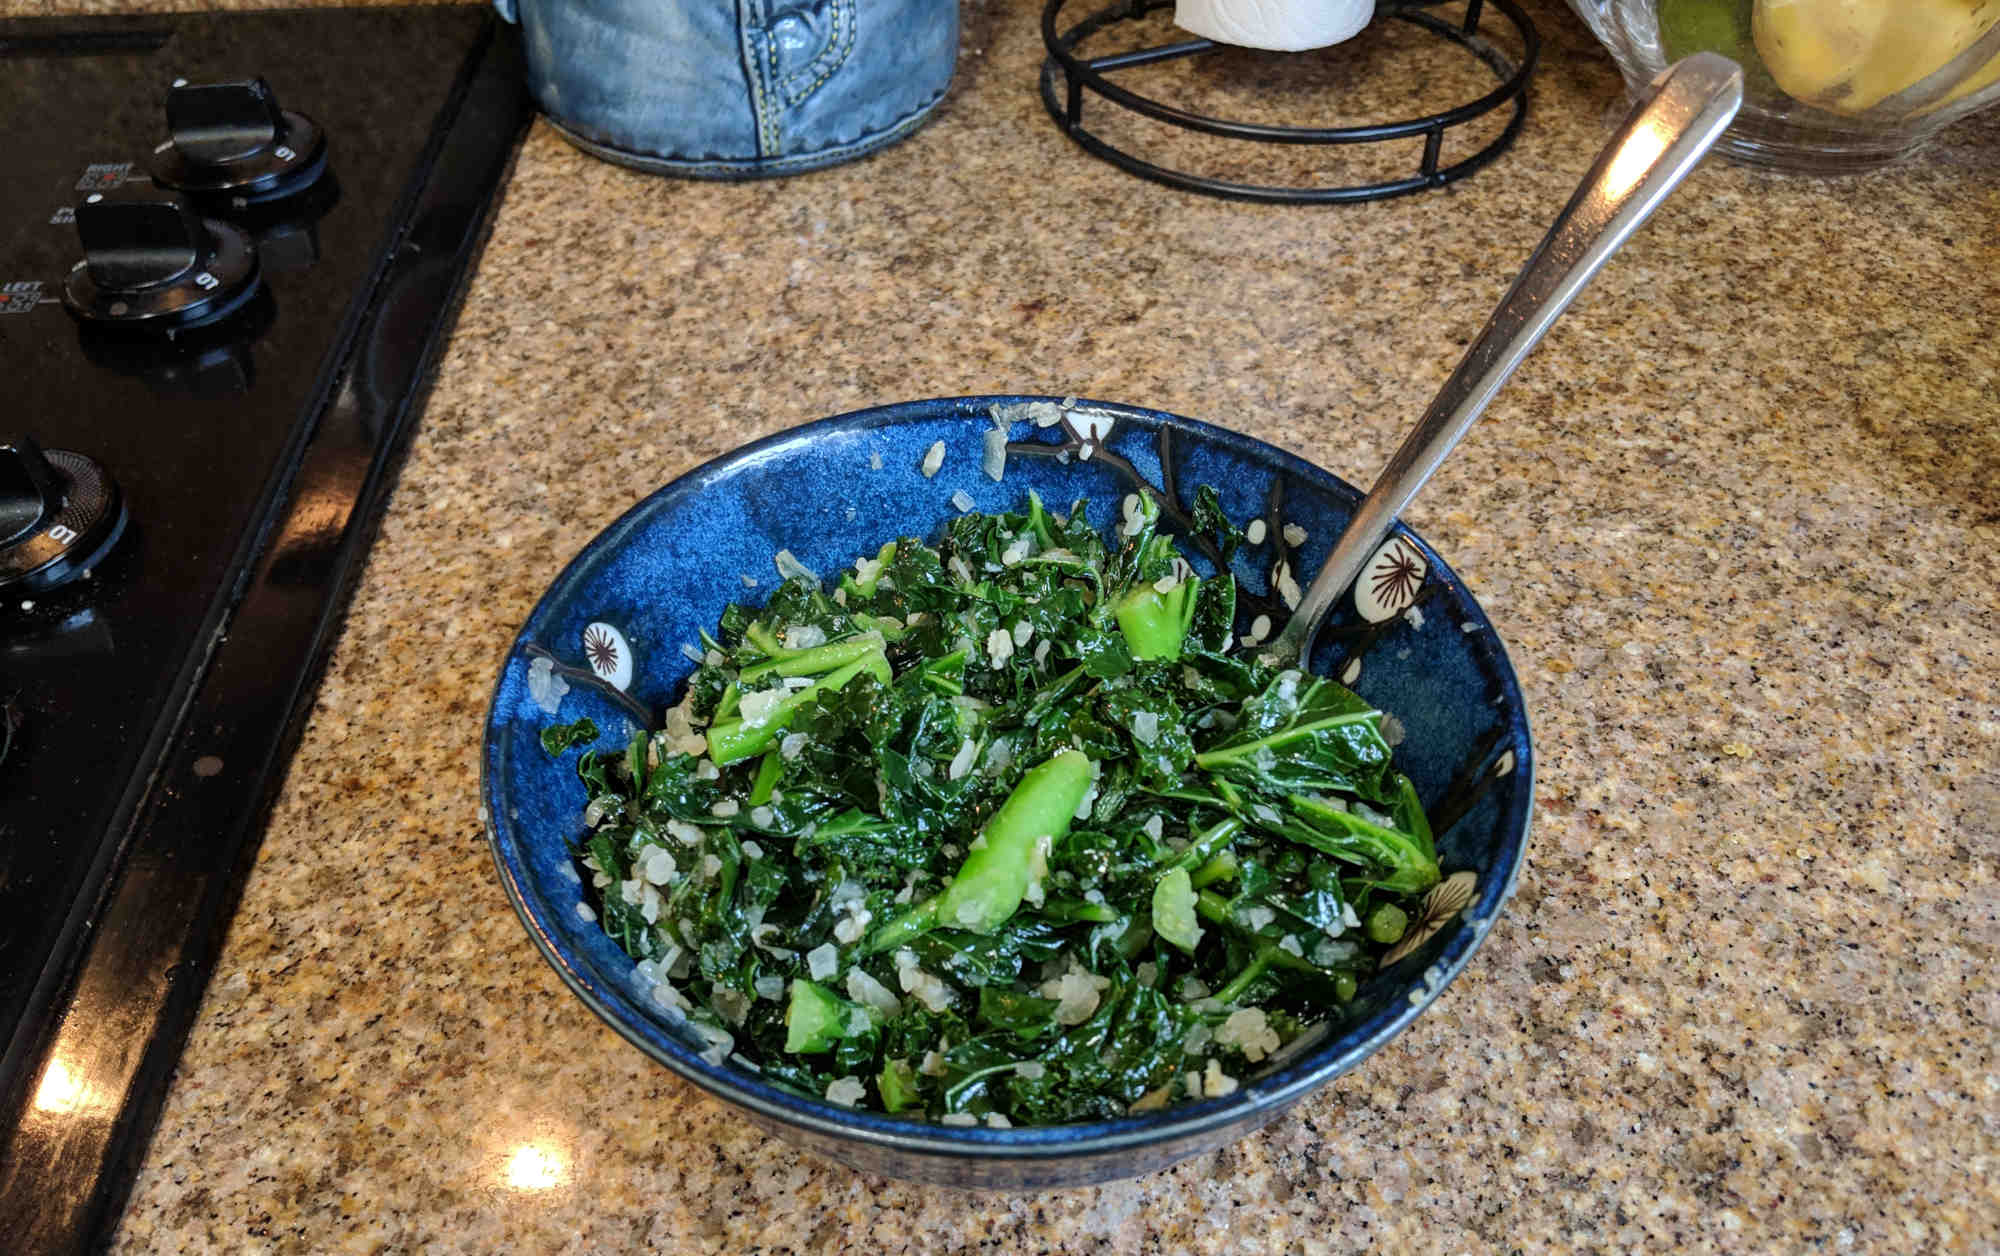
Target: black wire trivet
<point>1078,74</point>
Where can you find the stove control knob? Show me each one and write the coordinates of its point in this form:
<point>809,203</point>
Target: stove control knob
<point>59,514</point>
<point>230,143</point>
<point>151,262</point>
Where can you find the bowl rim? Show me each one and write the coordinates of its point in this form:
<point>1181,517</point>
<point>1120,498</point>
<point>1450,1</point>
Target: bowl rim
<point>1255,1100</point>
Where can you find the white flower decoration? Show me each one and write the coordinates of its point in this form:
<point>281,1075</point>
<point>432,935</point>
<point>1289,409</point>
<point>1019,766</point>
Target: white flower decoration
<point>1390,582</point>
<point>605,650</point>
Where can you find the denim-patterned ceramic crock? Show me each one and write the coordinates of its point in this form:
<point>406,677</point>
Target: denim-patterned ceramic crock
<point>735,89</point>
<point>606,642</point>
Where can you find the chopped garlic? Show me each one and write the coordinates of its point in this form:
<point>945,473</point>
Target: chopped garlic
<point>1248,1032</point>
<point>1288,588</point>
<point>1000,646</point>
<point>846,1092</point>
<point>961,763</point>
<point>1216,1083</point>
<point>868,992</point>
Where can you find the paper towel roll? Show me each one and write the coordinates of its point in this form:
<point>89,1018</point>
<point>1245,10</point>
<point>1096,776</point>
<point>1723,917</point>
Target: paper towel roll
<point>1279,25</point>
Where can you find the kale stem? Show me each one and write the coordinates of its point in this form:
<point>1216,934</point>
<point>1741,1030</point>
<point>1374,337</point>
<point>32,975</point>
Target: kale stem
<point>1259,962</point>
<point>1205,845</point>
<point>734,741</point>
<point>1215,908</point>
<point>1038,521</point>
<point>1411,867</point>
<point>1070,910</point>
<point>1221,868</point>
<point>1052,695</point>
<point>814,660</point>
<point>769,769</point>
<point>764,639</point>
<point>915,922</point>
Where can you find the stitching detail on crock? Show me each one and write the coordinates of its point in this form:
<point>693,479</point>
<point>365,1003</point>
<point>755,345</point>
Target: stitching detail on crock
<point>839,46</point>
<point>749,30</point>
<point>861,144</point>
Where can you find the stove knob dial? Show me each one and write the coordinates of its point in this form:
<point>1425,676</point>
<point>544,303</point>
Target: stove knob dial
<point>151,262</point>
<point>59,514</point>
<point>231,143</point>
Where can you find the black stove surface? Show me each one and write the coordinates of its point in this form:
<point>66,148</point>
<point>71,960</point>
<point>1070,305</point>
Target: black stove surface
<point>92,665</point>
<point>147,709</point>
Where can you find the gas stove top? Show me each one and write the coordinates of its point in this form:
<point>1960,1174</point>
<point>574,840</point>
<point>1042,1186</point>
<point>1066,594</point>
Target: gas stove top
<point>232,243</point>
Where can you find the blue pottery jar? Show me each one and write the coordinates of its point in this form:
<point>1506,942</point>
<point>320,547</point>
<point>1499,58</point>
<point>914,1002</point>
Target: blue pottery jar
<point>735,89</point>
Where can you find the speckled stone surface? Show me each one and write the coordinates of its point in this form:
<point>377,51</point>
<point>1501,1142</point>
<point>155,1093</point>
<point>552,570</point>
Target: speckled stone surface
<point>1736,519</point>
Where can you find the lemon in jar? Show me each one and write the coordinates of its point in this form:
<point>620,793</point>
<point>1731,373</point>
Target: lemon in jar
<point>1847,56</point>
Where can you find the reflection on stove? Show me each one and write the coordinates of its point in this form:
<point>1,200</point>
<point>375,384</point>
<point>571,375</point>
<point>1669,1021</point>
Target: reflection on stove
<point>63,1092</point>
<point>287,231</point>
<point>210,363</point>
<point>84,632</point>
<point>10,719</point>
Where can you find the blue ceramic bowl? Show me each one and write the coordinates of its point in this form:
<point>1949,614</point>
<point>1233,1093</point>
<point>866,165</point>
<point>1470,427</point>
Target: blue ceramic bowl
<point>606,641</point>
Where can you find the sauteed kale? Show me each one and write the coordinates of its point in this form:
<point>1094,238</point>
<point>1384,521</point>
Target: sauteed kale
<point>1004,830</point>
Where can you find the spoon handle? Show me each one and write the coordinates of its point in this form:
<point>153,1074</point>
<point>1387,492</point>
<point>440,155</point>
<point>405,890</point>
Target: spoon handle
<point>1665,136</point>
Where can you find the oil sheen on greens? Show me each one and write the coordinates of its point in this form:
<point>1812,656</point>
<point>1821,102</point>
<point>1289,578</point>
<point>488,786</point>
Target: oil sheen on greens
<point>1004,831</point>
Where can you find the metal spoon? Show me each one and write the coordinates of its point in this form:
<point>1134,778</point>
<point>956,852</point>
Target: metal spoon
<point>1664,137</point>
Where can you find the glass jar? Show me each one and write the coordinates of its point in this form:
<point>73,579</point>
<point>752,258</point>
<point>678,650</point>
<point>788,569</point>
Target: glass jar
<point>1830,86</point>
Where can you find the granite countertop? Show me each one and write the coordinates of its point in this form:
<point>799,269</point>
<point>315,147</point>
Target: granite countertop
<point>1736,521</point>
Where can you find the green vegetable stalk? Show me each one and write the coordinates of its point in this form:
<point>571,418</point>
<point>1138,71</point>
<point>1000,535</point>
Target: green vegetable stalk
<point>1223,867</point>
<point>898,1085</point>
<point>1155,623</point>
<point>860,585</point>
<point>1387,923</point>
<point>736,740</point>
<point>1173,910</point>
<point>990,884</point>
<point>769,768</point>
<point>813,661</point>
<point>816,1018</point>
<point>1266,956</point>
<point>1208,844</point>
